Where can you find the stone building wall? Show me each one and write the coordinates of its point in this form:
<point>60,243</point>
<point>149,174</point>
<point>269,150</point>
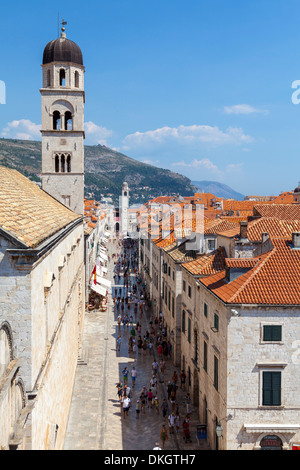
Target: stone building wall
<point>45,310</point>
<point>248,357</point>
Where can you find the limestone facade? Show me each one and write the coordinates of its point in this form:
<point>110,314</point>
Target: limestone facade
<point>42,301</point>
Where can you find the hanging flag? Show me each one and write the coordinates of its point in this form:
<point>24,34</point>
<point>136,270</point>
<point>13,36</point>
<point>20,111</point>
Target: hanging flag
<point>94,273</point>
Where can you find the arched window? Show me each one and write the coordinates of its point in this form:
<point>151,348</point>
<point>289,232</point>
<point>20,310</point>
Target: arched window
<point>62,77</point>
<point>69,163</point>
<point>68,121</point>
<point>5,349</point>
<point>49,77</point>
<point>76,79</point>
<point>56,121</point>
<point>63,163</point>
<point>56,164</point>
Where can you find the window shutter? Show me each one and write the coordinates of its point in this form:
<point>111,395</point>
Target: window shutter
<point>267,388</point>
<point>276,385</point>
<point>205,356</point>
<point>272,388</point>
<point>272,333</point>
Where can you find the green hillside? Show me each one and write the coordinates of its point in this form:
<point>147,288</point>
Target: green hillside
<point>105,171</point>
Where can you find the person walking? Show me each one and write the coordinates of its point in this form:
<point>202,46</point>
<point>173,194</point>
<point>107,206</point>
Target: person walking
<point>126,405</point>
<point>154,366</point>
<point>171,420</point>
<point>119,341</point>
<point>125,375</point>
<point>137,409</point>
<point>133,376</point>
<point>164,408</point>
<point>163,436</point>
<point>182,380</point>
<point>188,403</point>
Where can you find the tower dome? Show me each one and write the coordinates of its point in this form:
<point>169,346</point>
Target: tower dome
<point>62,50</point>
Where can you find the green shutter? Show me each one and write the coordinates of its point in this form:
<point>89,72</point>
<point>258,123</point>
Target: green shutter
<point>216,322</point>
<point>272,388</point>
<point>205,309</point>
<point>183,321</point>
<point>205,356</point>
<point>276,388</point>
<point>216,373</point>
<point>272,333</point>
<point>189,330</point>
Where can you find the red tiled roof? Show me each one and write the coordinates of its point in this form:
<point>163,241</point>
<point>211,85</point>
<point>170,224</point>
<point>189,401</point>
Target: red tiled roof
<point>278,211</point>
<point>274,227</point>
<point>274,280</point>
<point>207,264</point>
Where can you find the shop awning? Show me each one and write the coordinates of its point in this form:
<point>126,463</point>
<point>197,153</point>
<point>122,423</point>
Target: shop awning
<point>103,256</point>
<point>98,289</point>
<point>272,427</point>
<point>104,282</point>
<point>107,234</point>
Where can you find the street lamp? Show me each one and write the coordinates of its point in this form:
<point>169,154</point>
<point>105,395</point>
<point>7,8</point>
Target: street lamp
<point>219,430</point>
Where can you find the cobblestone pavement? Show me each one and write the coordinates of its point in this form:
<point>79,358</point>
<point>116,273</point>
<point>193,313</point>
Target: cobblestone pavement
<point>96,421</point>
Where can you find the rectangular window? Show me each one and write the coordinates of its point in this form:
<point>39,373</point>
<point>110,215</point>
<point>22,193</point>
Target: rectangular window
<point>183,321</point>
<point>216,322</point>
<point>169,300</point>
<point>205,356</point>
<point>272,332</point>
<point>196,346</point>
<point>173,307</point>
<point>271,389</point>
<point>216,373</point>
<point>190,291</point>
<point>205,310</point>
<point>166,295</point>
<point>183,285</point>
<point>163,290</point>
<point>211,245</point>
<point>189,330</point>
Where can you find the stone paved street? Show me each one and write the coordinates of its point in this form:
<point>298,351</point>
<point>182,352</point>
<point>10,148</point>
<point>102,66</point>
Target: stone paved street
<point>96,421</point>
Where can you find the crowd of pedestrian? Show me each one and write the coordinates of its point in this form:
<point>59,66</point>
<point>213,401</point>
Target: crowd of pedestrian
<point>131,302</point>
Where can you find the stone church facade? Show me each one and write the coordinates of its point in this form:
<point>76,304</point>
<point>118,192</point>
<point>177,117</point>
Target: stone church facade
<point>42,266</point>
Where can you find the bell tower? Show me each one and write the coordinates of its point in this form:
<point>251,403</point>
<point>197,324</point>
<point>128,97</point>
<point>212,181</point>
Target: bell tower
<point>124,208</point>
<point>62,100</point>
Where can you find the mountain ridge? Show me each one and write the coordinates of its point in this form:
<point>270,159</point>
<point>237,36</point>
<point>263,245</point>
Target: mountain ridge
<point>105,171</point>
<point>218,189</point>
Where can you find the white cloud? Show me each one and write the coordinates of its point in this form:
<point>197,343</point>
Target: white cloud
<point>186,135</point>
<point>243,109</point>
<point>203,163</point>
<point>96,134</point>
<point>150,162</point>
<point>23,129</point>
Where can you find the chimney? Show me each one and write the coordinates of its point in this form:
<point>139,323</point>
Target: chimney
<point>243,229</point>
<point>296,239</point>
<point>264,236</point>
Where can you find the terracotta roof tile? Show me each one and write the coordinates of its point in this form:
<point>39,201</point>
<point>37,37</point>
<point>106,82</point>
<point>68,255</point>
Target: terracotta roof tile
<point>28,213</point>
<point>274,280</point>
<point>207,264</point>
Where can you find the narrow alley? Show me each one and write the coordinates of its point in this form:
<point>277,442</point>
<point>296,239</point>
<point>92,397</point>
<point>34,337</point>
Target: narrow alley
<point>97,421</point>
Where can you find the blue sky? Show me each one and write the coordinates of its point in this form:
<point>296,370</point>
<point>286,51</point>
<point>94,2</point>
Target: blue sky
<point>203,88</point>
